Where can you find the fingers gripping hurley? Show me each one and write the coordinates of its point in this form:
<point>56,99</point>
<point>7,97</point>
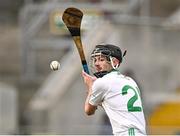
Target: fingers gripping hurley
<point>72,18</point>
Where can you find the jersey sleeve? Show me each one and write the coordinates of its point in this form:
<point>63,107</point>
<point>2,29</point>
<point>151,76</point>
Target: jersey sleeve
<point>99,89</point>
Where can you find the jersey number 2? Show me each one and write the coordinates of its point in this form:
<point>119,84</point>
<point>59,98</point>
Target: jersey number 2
<point>130,104</point>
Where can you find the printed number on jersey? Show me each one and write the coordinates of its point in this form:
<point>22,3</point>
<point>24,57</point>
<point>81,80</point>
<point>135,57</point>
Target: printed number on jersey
<point>133,99</point>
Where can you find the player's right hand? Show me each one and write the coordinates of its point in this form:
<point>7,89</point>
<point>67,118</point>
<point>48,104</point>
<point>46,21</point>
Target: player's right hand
<point>88,79</point>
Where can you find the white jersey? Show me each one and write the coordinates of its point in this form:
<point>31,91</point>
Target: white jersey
<point>120,98</point>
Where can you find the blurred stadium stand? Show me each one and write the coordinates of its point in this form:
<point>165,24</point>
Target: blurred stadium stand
<point>32,35</point>
<point>8,109</point>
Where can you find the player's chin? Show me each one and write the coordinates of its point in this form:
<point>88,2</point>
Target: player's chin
<point>98,70</point>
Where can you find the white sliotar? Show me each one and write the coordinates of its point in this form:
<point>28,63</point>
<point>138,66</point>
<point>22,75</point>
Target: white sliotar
<point>54,65</point>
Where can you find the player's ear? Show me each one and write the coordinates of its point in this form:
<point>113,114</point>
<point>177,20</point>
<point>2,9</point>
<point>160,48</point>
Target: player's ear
<point>115,63</point>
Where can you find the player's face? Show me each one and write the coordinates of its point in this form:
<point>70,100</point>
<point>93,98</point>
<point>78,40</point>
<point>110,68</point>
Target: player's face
<point>101,63</point>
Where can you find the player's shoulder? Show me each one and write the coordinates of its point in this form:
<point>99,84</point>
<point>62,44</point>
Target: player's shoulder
<point>117,74</point>
<point>101,82</point>
<point>126,77</point>
<point>129,80</point>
